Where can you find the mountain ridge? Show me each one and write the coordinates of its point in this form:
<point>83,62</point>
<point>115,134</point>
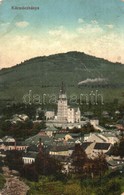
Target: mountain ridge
<point>53,55</point>
<point>45,73</point>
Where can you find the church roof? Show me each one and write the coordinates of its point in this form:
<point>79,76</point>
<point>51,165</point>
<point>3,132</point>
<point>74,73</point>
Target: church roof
<point>62,94</point>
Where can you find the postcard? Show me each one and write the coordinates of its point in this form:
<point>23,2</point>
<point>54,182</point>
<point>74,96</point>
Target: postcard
<point>61,97</point>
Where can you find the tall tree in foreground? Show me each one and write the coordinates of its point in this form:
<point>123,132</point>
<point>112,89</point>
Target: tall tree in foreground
<point>79,158</point>
<point>45,164</point>
<point>99,165</point>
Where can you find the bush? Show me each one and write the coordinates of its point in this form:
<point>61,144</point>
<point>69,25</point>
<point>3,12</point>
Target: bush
<point>113,188</point>
<point>2,181</point>
<point>73,189</point>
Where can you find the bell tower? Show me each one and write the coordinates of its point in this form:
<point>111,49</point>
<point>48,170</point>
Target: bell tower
<point>62,113</point>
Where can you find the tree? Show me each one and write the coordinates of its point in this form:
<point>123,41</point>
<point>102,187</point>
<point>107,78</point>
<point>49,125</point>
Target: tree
<point>118,148</point>
<point>79,158</point>
<point>46,165</point>
<point>14,160</point>
<point>99,165</point>
<point>29,172</point>
<point>113,187</point>
<point>121,148</point>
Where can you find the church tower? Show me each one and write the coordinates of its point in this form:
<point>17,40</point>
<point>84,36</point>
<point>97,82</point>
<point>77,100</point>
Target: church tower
<point>62,113</point>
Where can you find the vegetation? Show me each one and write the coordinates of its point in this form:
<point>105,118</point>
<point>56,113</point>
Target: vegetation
<point>21,128</point>
<point>118,148</point>
<point>79,159</point>
<point>45,74</point>
<point>87,176</point>
<point>14,160</point>
<point>27,128</point>
<point>98,186</point>
<point>2,181</point>
<point>43,165</point>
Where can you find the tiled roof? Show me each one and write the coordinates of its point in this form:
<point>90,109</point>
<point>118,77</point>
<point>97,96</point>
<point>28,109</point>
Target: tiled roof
<point>121,121</point>
<point>51,129</point>
<point>86,144</point>
<point>60,135</point>
<point>102,146</point>
<point>59,148</point>
<point>75,134</point>
<point>33,148</point>
<point>35,139</point>
<point>30,155</point>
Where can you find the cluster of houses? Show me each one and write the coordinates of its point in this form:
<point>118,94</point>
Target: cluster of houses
<point>61,143</point>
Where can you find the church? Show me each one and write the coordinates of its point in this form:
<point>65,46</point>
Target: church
<point>65,113</point>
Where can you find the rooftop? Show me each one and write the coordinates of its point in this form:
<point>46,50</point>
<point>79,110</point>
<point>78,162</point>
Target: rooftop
<point>102,146</point>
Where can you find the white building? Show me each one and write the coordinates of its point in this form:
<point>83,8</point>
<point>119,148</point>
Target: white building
<point>50,115</point>
<point>101,138</point>
<point>94,122</point>
<point>74,115</point>
<point>65,113</point>
<point>28,160</point>
<point>62,113</point>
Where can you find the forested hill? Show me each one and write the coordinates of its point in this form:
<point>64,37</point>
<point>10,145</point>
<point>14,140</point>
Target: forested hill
<point>45,74</point>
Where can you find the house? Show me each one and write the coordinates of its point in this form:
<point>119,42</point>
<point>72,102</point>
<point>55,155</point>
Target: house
<point>101,138</point>
<point>120,125</point>
<point>111,137</point>
<point>20,145</point>
<point>9,143</point>
<point>1,144</point>
<point>88,114</point>
<point>50,115</point>
<point>75,135</point>
<point>50,131</point>
<point>93,149</point>
<point>101,148</point>
<point>29,158</point>
<point>74,115</point>
<point>117,112</point>
<point>105,114</point>
<point>62,137</point>
<point>115,162</point>
<point>35,139</point>
<point>59,151</point>
<point>94,137</point>
<point>94,122</point>
<point>88,147</point>
<point>19,118</point>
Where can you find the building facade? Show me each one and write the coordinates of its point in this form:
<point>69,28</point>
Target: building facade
<point>65,113</point>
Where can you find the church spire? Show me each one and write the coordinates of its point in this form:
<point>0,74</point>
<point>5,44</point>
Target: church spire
<point>62,90</point>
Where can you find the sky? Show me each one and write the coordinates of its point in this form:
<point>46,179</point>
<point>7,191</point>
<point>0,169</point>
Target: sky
<point>95,27</point>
